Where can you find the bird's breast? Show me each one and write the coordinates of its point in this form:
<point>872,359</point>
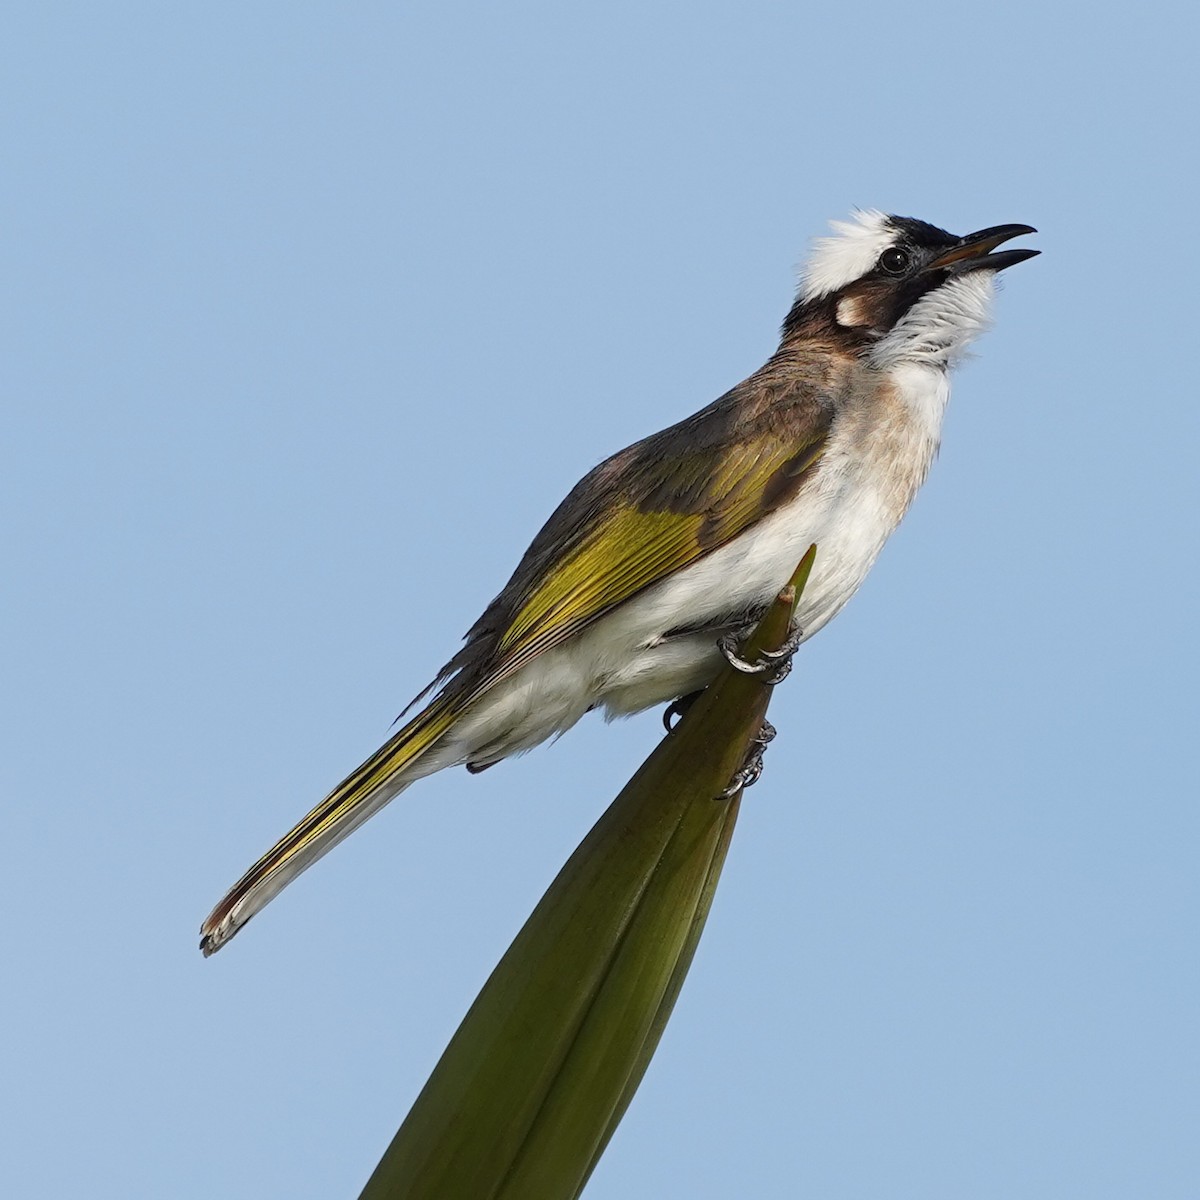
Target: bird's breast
<point>877,455</point>
<point>879,451</point>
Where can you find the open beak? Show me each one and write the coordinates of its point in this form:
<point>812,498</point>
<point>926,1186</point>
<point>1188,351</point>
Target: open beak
<point>974,252</point>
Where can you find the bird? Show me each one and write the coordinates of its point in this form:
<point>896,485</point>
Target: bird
<point>627,595</point>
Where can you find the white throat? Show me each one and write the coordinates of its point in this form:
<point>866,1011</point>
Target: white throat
<point>937,329</point>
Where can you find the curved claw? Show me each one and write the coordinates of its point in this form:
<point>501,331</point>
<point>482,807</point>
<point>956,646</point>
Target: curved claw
<point>673,710</point>
<point>749,773</point>
<point>748,776</point>
<point>774,665</point>
<point>785,651</point>
<point>677,708</point>
<point>728,646</point>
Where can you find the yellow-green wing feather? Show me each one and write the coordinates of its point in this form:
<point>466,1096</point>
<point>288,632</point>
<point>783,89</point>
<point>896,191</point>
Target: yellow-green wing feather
<point>633,546</point>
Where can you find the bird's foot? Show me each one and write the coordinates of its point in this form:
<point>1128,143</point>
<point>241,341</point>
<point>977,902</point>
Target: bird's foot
<point>677,708</point>
<point>748,773</point>
<point>774,665</point>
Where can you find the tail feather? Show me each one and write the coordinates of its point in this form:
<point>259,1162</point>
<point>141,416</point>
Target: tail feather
<point>361,794</point>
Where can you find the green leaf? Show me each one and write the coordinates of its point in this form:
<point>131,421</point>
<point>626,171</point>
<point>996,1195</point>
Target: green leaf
<point>543,1066</point>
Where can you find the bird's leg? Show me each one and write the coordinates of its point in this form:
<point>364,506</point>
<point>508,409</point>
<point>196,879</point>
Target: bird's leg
<point>747,774</point>
<point>774,665</point>
<point>677,708</point>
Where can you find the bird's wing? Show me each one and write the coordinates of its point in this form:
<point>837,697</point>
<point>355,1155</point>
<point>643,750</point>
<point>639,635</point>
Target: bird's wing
<point>643,515</point>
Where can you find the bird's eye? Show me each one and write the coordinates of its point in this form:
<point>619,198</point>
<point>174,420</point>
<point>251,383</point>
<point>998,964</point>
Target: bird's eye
<point>894,261</point>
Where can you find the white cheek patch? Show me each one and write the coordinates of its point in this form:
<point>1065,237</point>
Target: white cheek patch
<point>852,312</point>
<point>849,255</point>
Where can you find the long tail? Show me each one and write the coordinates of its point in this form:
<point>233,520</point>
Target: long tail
<point>359,796</point>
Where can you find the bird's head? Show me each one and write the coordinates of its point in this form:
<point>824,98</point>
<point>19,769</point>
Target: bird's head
<point>896,289</point>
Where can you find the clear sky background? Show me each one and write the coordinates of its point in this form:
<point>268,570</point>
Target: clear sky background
<point>313,312</point>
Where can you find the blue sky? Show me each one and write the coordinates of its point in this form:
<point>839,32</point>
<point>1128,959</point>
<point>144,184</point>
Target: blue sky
<point>312,313</point>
